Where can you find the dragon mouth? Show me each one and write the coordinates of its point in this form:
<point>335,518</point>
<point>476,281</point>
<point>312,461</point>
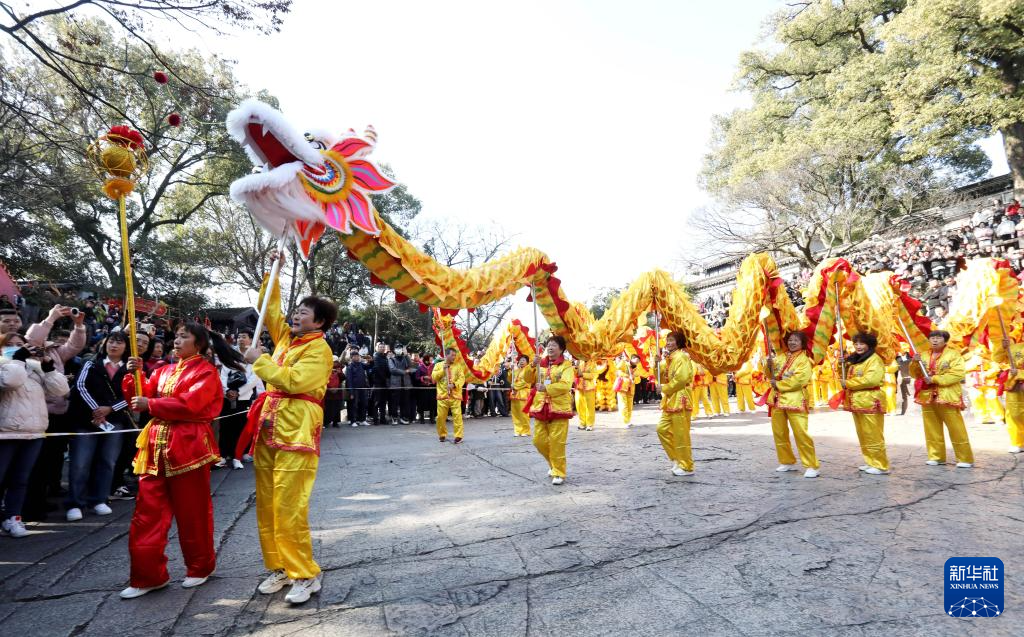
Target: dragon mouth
<point>268,146</point>
<point>268,139</point>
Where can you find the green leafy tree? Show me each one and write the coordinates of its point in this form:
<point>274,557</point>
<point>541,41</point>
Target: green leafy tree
<point>862,113</point>
<point>48,190</point>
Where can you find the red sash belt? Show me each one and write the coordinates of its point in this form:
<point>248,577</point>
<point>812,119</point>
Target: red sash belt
<point>920,385</point>
<point>247,440</point>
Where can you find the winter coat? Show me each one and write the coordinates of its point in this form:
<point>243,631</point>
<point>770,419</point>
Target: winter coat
<point>381,370</point>
<point>95,388</point>
<point>61,355</point>
<point>400,376</point>
<point>355,375</point>
<point>24,389</point>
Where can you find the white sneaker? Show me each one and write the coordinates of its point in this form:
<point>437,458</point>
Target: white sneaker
<point>1015,449</point>
<point>551,473</point>
<point>192,582</point>
<point>131,592</point>
<point>934,463</point>
<point>679,471</point>
<point>74,515</point>
<point>102,509</point>
<point>557,480</point>
<point>14,527</point>
<point>355,424</point>
<point>964,465</point>
<point>590,428</point>
<point>811,473</point>
<point>786,467</point>
<point>237,464</point>
<point>220,464</point>
<point>863,467</point>
<point>875,471</point>
<point>302,589</point>
<point>275,582</point>
<point>246,457</point>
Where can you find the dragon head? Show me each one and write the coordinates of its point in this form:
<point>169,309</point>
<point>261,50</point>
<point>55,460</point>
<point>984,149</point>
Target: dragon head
<point>305,181</point>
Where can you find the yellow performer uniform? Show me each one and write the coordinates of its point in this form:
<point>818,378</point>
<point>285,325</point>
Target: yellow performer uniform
<point>450,400</point>
<point>789,410</point>
<point>586,394</point>
<point>626,386</point>
<point>720,394</point>
<point>700,393</point>
<point>822,383</point>
<point>520,393</point>
<point>674,426</point>
<point>983,387</point>
<point>605,386</point>
<point>992,409</point>
<point>551,411</point>
<point>744,388</point>
<point>941,403</point>
<point>287,450</point>
<point>864,399</point>
<point>889,387</point>
<point>1014,392</point>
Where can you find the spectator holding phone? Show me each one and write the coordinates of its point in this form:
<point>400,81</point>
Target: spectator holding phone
<point>27,377</point>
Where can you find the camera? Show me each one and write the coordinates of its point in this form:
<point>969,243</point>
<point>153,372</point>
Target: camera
<point>74,311</point>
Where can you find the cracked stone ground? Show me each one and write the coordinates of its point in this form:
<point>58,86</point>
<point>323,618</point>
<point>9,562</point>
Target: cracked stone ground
<point>419,538</point>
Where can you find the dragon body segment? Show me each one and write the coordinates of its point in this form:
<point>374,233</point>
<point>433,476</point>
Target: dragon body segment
<point>312,182</point>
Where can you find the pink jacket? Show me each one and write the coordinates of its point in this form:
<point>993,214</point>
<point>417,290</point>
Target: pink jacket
<point>59,354</point>
<point>24,388</point>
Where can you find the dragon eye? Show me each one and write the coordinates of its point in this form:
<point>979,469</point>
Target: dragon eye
<point>315,143</point>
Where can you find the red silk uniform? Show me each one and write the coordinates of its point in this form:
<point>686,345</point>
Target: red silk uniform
<point>173,463</point>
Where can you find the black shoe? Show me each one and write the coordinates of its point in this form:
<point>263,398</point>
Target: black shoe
<point>122,493</point>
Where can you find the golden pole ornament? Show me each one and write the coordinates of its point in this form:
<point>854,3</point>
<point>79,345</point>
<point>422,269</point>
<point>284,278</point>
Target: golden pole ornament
<point>119,158</point>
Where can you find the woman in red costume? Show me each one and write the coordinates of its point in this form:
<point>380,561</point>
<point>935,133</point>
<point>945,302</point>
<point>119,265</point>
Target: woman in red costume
<point>176,449</point>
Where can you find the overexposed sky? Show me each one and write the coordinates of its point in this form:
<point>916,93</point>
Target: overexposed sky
<point>577,126</point>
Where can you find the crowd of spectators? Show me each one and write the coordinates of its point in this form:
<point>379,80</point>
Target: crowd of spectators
<point>393,386</point>
<point>928,261</point>
<point>63,375</point>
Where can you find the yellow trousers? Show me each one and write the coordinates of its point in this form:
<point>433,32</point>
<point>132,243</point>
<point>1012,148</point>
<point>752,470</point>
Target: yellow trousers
<point>674,434</point>
<point>890,398</point>
<point>819,391</point>
<point>626,405</point>
<point>549,438</point>
<point>782,422</point>
<point>605,397</point>
<point>986,405</point>
<point>701,396</point>
<point>871,433</point>
<point>520,419</point>
<point>934,417</point>
<point>585,401</point>
<point>1015,417</point>
<point>720,398</point>
<point>284,482</point>
<point>745,398</point>
<point>444,407</point>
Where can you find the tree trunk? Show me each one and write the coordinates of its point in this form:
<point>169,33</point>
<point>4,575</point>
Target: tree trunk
<point>1013,144</point>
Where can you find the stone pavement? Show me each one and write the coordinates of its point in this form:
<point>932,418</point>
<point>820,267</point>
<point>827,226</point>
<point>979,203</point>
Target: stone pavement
<point>420,538</point>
